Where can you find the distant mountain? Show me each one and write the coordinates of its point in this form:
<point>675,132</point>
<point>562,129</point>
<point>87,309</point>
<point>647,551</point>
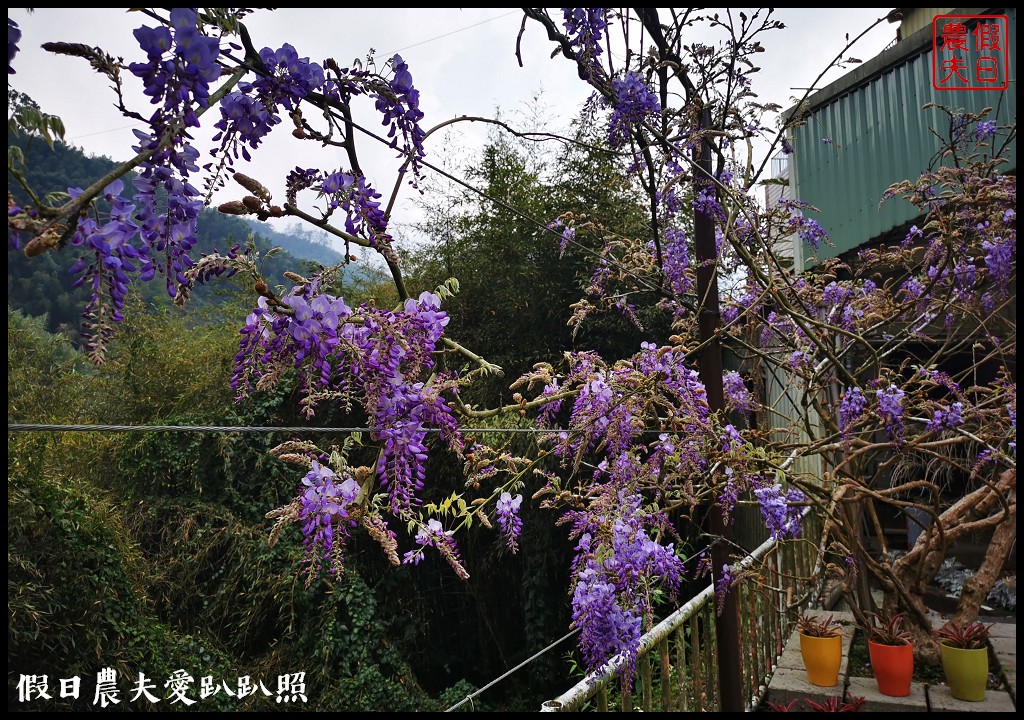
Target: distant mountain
<point>41,286</point>
<point>299,242</point>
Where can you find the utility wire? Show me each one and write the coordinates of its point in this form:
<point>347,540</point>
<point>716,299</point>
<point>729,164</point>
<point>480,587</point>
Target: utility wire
<point>496,201</point>
<point>21,427</point>
<point>544,226</point>
<point>387,54</point>
<point>452,32</point>
<point>495,681</point>
<point>527,661</point>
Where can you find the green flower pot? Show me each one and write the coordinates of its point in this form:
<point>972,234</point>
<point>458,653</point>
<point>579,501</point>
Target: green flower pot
<point>966,672</point>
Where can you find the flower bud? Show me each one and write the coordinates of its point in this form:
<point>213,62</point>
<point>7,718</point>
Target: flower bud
<point>234,207</point>
<point>252,186</point>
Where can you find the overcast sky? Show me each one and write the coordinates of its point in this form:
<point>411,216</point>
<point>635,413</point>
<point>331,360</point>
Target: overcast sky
<point>462,61</point>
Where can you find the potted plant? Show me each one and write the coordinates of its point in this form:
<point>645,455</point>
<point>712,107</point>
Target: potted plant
<point>891,653</point>
<point>832,704</point>
<point>821,647</point>
<point>965,659</point>
<point>848,703</point>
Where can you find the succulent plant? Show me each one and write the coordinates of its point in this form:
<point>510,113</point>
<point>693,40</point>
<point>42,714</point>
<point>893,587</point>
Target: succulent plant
<point>969,637</point>
<point>886,628</point>
<point>836,704</point>
<point>819,626</point>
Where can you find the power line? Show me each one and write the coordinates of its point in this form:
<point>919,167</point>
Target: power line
<point>453,32</point>
<point>388,54</point>
<point>496,201</point>
<point>17,427</point>
<point>527,661</point>
<point>104,132</point>
<point>538,223</point>
<point>255,429</point>
<point>469,698</point>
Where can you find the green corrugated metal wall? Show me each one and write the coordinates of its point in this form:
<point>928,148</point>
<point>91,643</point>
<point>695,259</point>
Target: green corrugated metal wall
<point>880,135</point>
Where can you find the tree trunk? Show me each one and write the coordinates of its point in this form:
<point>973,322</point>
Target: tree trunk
<point>977,587</point>
<point>992,506</point>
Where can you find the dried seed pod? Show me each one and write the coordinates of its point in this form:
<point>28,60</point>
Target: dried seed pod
<point>234,207</point>
<point>41,243</point>
<point>252,186</point>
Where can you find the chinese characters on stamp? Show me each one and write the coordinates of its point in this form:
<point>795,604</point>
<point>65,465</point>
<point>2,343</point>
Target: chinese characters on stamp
<point>179,688</point>
<point>970,52</point>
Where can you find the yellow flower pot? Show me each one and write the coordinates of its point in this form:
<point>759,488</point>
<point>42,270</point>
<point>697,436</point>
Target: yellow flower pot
<point>822,658</point>
<point>966,672</point>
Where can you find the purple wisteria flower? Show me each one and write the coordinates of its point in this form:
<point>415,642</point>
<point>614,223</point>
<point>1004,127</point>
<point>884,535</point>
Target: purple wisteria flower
<point>958,125</point>
<point>677,263</point>
<point>400,106</point>
<point>999,259</point>
<point>324,503</point>
<point>731,439</point>
<point>361,203</point>
<point>984,130</point>
<point>890,409</point>
<point>549,411</point>
<point>780,511</point>
<point>585,28</point>
<point>244,122</point>
<point>382,354</point>
<point>723,584</point>
<point>706,202</point>
<point>799,360</point>
<point>729,493</point>
<point>913,235</point>
<point>607,628</point>
<point>289,78</point>
<point>634,103</point>
<point>737,396</point>
<point>946,418</point>
<point>809,230</point>
<point>511,524</point>
<point>181,64</point>
<point>434,535</point>
<point>617,564</point>
<point>850,408</point>
<point>568,236</point>
<point>778,329</point>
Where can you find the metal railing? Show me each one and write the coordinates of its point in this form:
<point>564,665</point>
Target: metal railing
<point>677,663</point>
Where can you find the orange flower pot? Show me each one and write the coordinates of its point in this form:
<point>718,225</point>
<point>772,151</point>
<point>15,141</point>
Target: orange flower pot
<point>822,658</point>
<point>893,666</point>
